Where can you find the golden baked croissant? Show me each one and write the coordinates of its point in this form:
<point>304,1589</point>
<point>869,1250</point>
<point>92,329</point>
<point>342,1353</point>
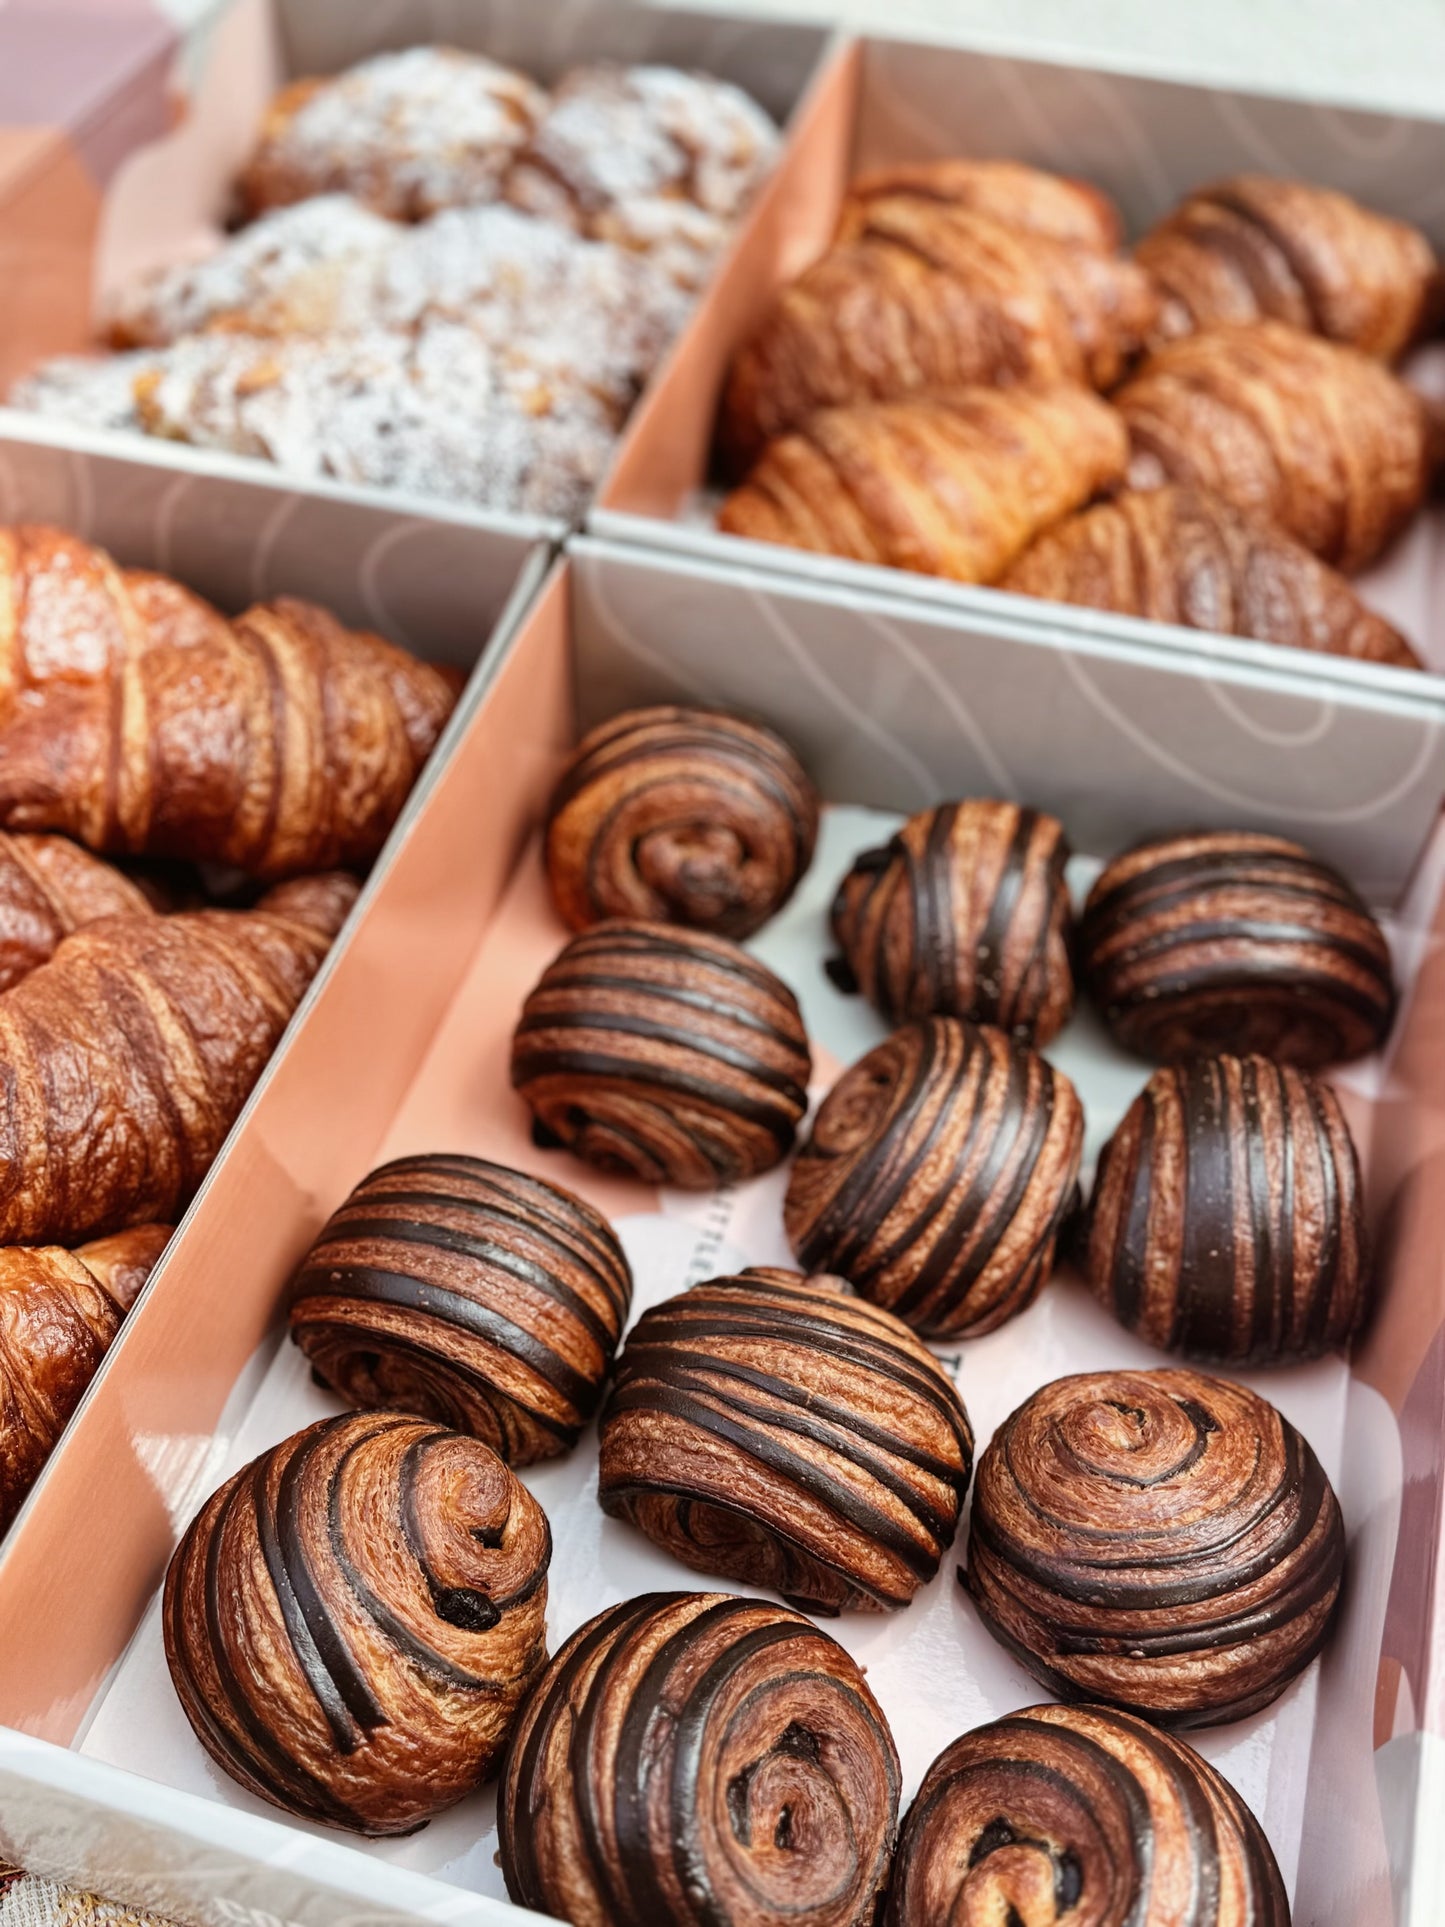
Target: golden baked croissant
<point>1056,206</point>
<point>137,719</point>
<point>49,886</point>
<point>1314,437</point>
<point>130,1053</point>
<point>1181,555</point>
<point>932,296</point>
<point>59,1311</point>
<point>1255,247</point>
<point>954,485</point>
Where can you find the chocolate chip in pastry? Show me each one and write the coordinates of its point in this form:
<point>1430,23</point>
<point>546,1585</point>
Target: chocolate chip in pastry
<point>1080,1814</point>
<point>352,1621</point>
<point>664,1054</point>
<point>680,815</point>
<point>700,1760</point>
<point>470,1294</point>
<point>963,913</point>
<point>1227,1221</point>
<point>1161,1540</point>
<point>1232,941</point>
<point>938,1173</point>
<point>781,1432</point>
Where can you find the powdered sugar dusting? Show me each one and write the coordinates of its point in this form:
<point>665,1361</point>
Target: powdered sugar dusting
<point>93,391</point>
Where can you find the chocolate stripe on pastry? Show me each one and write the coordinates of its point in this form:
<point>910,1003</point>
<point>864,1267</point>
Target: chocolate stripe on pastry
<point>1081,1814</point>
<point>470,1294</point>
<point>680,815</point>
<point>1228,941</point>
<point>701,1760</point>
<point>1160,1540</point>
<point>779,1431</point>
<point>963,914</point>
<point>1226,1220</point>
<point>938,1173</point>
<point>352,1621</point>
<point>665,1054</point>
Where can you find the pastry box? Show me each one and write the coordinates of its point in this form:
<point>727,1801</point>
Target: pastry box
<point>403,1048</point>
<point>164,192</point>
<point>1146,143</point>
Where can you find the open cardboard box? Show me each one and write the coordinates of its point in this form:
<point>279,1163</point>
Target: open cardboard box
<point>1146,142</point>
<point>404,1048</point>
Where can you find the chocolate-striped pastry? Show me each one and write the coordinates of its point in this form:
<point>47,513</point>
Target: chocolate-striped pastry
<point>352,1621</point>
<point>780,1431</point>
<point>680,815</point>
<point>964,913</point>
<point>704,1761</point>
<point>938,1173</point>
<point>1230,941</point>
<point>1161,1540</point>
<point>1086,1816</point>
<point>469,1294</point>
<point>1226,1220</point>
<point>664,1054</point>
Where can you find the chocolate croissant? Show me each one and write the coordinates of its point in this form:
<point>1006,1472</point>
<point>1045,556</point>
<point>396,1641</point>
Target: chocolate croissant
<point>928,296</point>
<point>1027,199</point>
<point>938,1174</point>
<point>778,1431</point>
<point>1181,555</point>
<point>49,886</point>
<point>964,913</point>
<point>704,1761</point>
<point>469,1294</point>
<point>1227,1220</point>
<point>1080,1813</point>
<point>1257,248</point>
<point>59,1311</point>
<point>275,744</point>
<point>664,1054</point>
<point>352,1621</point>
<point>1288,428</point>
<point>955,484</point>
<point>680,815</point>
<point>132,1050</point>
<point>1230,940</point>
<point>1162,1541</point>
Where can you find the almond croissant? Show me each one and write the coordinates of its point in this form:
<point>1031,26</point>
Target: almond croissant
<point>49,886</point>
<point>137,719</point>
<point>59,1311</point>
<point>953,485</point>
<point>1314,437</point>
<point>932,296</point>
<point>129,1054</point>
<point>1026,198</point>
<point>1179,555</point>
<point>1256,248</point>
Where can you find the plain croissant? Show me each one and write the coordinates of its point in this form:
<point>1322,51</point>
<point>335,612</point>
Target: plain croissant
<point>129,1054</point>
<point>1317,438</point>
<point>137,719</point>
<point>930,296</point>
<point>1179,555</point>
<point>953,485</point>
<point>1027,198</point>
<point>50,886</point>
<point>59,1311</point>
<point>1255,248</point>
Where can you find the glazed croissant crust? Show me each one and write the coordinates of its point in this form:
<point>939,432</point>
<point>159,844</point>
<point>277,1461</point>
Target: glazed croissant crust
<point>49,886</point>
<point>137,719</point>
<point>1028,199</point>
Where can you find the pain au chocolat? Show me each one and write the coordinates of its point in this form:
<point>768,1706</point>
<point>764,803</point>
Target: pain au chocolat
<point>704,1761</point>
<point>1227,1220</point>
<point>1080,1814</point>
<point>663,1054</point>
<point>467,1293</point>
<point>352,1621</point>
<point>937,1176</point>
<point>680,815</point>
<point>963,913</point>
<point>1163,1541</point>
<point>781,1432</point>
<point>1231,941</point>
